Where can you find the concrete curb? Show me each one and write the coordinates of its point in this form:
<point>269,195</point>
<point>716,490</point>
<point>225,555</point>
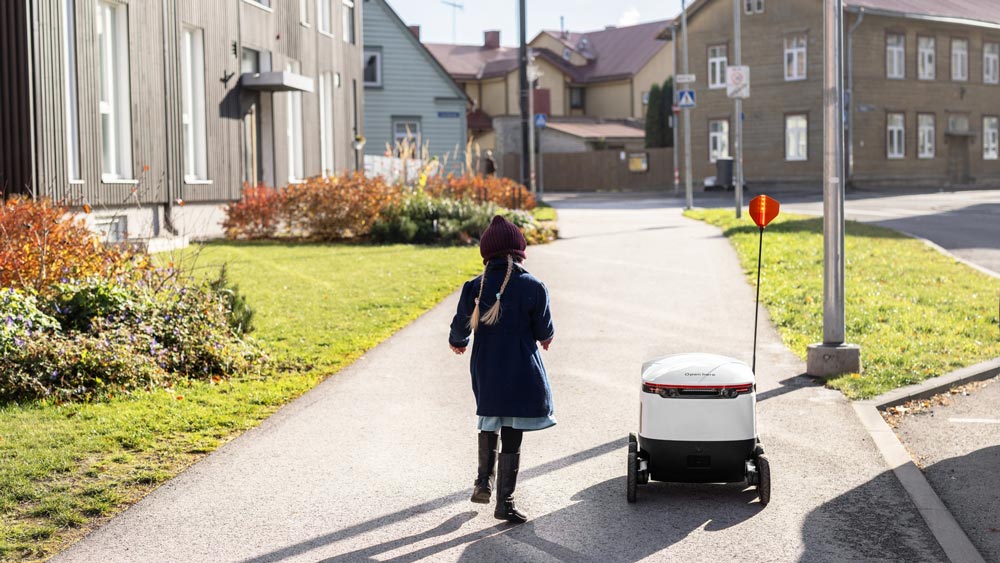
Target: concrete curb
<point>942,523</point>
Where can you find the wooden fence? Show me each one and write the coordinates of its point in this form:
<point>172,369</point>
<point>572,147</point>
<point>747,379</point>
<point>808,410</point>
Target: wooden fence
<point>604,170</point>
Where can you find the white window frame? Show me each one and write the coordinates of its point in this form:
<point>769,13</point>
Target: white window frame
<point>960,60</point>
<point>377,53</point>
<point>926,58</point>
<point>410,126</point>
<point>751,7</point>
<point>304,13</point>
<point>991,137</point>
<point>926,135</point>
<point>797,137</point>
<point>895,56</point>
<point>717,61</point>
<point>326,124</point>
<point>293,129</point>
<point>991,63</point>
<point>347,18</point>
<point>796,57</point>
<point>70,91</point>
<point>718,139</point>
<point>193,104</point>
<point>895,147</point>
<point>324,17</point>
<point>114,102</point>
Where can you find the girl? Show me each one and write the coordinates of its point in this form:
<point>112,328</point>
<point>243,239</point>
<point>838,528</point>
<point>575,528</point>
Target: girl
<point>508,310</point>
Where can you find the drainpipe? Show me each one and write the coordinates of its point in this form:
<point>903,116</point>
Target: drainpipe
<point>168,207</point>
<point>850,97</point>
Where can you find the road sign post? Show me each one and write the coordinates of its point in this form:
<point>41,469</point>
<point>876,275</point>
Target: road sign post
<point>738,87</point>
<point>688,192</point>
<point>540,121</point>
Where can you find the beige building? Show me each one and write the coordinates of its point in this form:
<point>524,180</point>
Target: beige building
<point>586,77</point>
<point>924,107</point>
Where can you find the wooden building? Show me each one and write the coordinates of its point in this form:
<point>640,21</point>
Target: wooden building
<point>155,113</point>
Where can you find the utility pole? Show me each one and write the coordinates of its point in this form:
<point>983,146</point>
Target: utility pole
<point>532,76</point>
<point>689,201</point>
<point>523,75</point>
<point>673,112</point>
<point>738,59</point>
<point>455,7</point>
<point>833,357</point>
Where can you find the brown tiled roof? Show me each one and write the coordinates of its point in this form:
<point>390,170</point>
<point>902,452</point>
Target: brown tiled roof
<point>597,130</point>
<point>614,54</point>
<point>986,11</point>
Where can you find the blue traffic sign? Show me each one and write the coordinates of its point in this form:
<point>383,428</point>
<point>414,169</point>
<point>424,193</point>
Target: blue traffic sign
<point>685,99</point>
<point>540,120</point>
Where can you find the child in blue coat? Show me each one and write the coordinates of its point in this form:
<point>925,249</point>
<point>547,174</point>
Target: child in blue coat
<point>508,311</point>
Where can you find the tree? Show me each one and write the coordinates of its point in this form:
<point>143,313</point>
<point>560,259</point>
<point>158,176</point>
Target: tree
<point>667,97</point>
<point>654,117</point>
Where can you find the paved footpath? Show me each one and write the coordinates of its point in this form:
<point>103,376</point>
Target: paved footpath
<point>376,464</point>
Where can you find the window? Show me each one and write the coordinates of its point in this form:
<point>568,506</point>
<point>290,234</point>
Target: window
<point>406,131</point>
<point>795,57</point>
<point>348,15</point>
<point>717,66</point>
<point>69,82</point>
<point>751,7</point>
<point>324,15</point>
<point>991,63</point>
<point>925,135</point>
<point>576,98</point>
<point>193,104</point>
<point>373,68</point>
<point>796,137</point>
<point>718,139</point>
<point>116,127</point>
<point>326,123</point>
<point>991,138</point>
<point>959,59</point>
<point>304,12</point>
<point>567,54</point>
<point>294,129</point>
<point>958,123</point>
<point>895,136</point>
<point>895,56</point>
<point>926,58</point>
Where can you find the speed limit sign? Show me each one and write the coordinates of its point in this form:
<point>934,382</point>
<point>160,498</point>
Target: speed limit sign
<point>738,81</point>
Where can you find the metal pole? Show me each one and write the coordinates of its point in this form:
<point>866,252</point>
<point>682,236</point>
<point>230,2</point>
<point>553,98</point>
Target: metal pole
<point>673,114</point>
<point>689,195</point>
<point>523,77</point>
<point>541,168</point>
<point>756,309</point>
<point>737,58</point>
<point>833,175</point>
<point>533,187</point>
<point>850,95</point>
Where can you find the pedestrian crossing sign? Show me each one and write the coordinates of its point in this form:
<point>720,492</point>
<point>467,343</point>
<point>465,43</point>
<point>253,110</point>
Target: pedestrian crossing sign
<point>685,99</point>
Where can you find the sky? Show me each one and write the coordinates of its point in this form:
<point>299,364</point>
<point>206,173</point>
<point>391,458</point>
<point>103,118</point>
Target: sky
<point>435,17</point>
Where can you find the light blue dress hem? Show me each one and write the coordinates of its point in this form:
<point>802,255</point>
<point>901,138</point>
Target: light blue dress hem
<point>493,423</point>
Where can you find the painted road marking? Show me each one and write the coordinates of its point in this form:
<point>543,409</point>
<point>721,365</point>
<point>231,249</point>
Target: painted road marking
<point>975,420</point>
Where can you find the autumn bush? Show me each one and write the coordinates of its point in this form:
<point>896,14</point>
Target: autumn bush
<point>257,214</point>
<point>341,207</point>
<point>501,191</point>
<point>41,244</point>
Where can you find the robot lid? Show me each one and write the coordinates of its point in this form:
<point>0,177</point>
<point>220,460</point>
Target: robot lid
<point>708,370</point>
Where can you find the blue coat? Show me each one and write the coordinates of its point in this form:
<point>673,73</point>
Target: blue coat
<point>508,377</point>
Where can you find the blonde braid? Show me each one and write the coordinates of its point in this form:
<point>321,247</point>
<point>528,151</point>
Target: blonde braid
<point>493,314</point>
<point>474,319</point>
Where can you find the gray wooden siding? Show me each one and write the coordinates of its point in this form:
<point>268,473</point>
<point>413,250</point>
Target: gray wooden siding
<point>411,87</point>
<point>154,40</point>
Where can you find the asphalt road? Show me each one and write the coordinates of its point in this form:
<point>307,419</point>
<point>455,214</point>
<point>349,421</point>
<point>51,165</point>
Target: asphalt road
<point>958,447</point>
<point>377,463</point>
<point>966,223</point>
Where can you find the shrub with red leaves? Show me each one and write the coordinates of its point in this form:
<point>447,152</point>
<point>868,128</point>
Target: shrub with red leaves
<point>256,216</point>
<point>501,191</point>
<point>336,208</point>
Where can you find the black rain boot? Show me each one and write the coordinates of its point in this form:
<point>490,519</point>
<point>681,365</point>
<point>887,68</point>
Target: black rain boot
<point>487,466</point>
<point>506,483</point>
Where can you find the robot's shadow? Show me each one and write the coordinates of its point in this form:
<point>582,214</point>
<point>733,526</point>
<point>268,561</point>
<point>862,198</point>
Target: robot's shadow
<point>601,526</point>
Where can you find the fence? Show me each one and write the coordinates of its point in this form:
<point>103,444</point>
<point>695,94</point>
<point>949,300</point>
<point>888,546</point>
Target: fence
<point>393,170</point>
<point>602,170</point>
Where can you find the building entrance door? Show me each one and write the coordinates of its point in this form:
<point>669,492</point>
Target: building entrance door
<point>253,170</point>
<point>958,158</point>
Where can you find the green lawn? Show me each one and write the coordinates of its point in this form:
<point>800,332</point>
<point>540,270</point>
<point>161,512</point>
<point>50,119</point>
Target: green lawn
<point>66,468</point>
<point>915,312</point>
<point>544,212</point>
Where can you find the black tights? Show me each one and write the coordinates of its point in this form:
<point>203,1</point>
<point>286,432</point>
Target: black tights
<point>510,439</point>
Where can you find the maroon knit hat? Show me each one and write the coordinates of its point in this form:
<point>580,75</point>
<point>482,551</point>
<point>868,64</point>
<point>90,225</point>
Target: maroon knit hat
<point>500,239</point>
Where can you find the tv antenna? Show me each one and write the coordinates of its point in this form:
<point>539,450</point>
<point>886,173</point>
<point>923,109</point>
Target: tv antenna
<point>455,7</point>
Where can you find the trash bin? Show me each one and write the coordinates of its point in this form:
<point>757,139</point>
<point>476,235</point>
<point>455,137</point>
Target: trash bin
<point>724,173</point>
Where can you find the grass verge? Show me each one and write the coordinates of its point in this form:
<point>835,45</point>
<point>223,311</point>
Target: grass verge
<point>65,469</point>
<point>915,312</point>
<point>544,212</point>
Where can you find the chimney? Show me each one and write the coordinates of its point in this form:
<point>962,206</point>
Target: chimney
<point>415,30</point>
<point>491,39</point>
